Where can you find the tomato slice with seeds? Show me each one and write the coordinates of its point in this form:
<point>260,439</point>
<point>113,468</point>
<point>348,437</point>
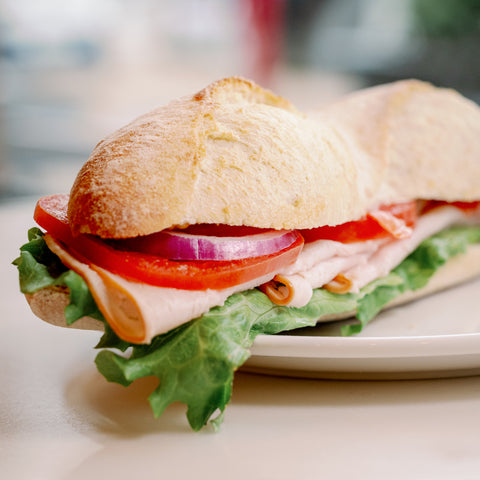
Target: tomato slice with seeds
<point>51,215</point>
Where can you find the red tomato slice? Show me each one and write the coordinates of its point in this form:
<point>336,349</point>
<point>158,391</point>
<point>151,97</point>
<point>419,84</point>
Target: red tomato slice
<point>219,230</point>
<point>465,206</point>
<point>51,214</point>
<point>368,227</point>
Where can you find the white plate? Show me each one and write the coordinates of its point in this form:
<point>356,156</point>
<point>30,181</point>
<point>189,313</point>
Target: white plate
<point>434,337</point>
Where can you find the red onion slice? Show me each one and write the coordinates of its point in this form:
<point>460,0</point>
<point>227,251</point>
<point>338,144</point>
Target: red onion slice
<point>177,245</point>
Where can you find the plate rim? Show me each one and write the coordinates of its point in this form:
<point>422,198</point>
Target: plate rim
<point>323,347</point>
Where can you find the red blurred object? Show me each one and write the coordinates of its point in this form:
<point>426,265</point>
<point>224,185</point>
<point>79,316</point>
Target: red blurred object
<point>266,37</point>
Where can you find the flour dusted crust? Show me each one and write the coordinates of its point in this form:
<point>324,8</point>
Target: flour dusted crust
<point>49,303</point>
<point>233,153</point>
<point>411,140</point>
<point>237,154</point>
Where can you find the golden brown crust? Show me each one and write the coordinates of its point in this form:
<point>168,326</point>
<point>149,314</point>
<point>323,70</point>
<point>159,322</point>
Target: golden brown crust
<point>235,153</point>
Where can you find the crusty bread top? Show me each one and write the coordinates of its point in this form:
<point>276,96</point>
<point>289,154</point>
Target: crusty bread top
<point>237,154</point>
<point>411,140</point>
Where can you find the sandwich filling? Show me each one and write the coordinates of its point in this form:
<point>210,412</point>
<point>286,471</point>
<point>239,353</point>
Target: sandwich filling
<point>346,268</point>
<point>140,310</point>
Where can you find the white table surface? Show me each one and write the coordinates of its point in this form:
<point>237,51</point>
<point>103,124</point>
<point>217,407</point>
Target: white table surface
<point>59,419</point>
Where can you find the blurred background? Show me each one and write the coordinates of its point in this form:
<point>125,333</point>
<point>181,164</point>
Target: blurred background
<point>73,71</point>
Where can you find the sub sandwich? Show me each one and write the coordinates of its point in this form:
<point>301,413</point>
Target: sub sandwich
<point>229,214</point>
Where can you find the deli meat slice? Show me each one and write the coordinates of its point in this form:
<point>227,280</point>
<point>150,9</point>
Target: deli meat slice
<point>360,263</point>
<point>137,312</point>
<point>390,255</point>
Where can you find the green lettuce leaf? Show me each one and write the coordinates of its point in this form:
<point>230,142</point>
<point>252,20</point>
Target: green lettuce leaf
<point>37,266</point>
<point>195,363</point>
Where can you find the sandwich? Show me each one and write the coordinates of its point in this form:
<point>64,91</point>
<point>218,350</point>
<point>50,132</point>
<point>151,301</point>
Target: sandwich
<point>229,214</point>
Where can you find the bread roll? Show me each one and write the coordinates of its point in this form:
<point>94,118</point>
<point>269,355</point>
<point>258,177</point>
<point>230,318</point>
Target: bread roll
<point>237,154</point>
